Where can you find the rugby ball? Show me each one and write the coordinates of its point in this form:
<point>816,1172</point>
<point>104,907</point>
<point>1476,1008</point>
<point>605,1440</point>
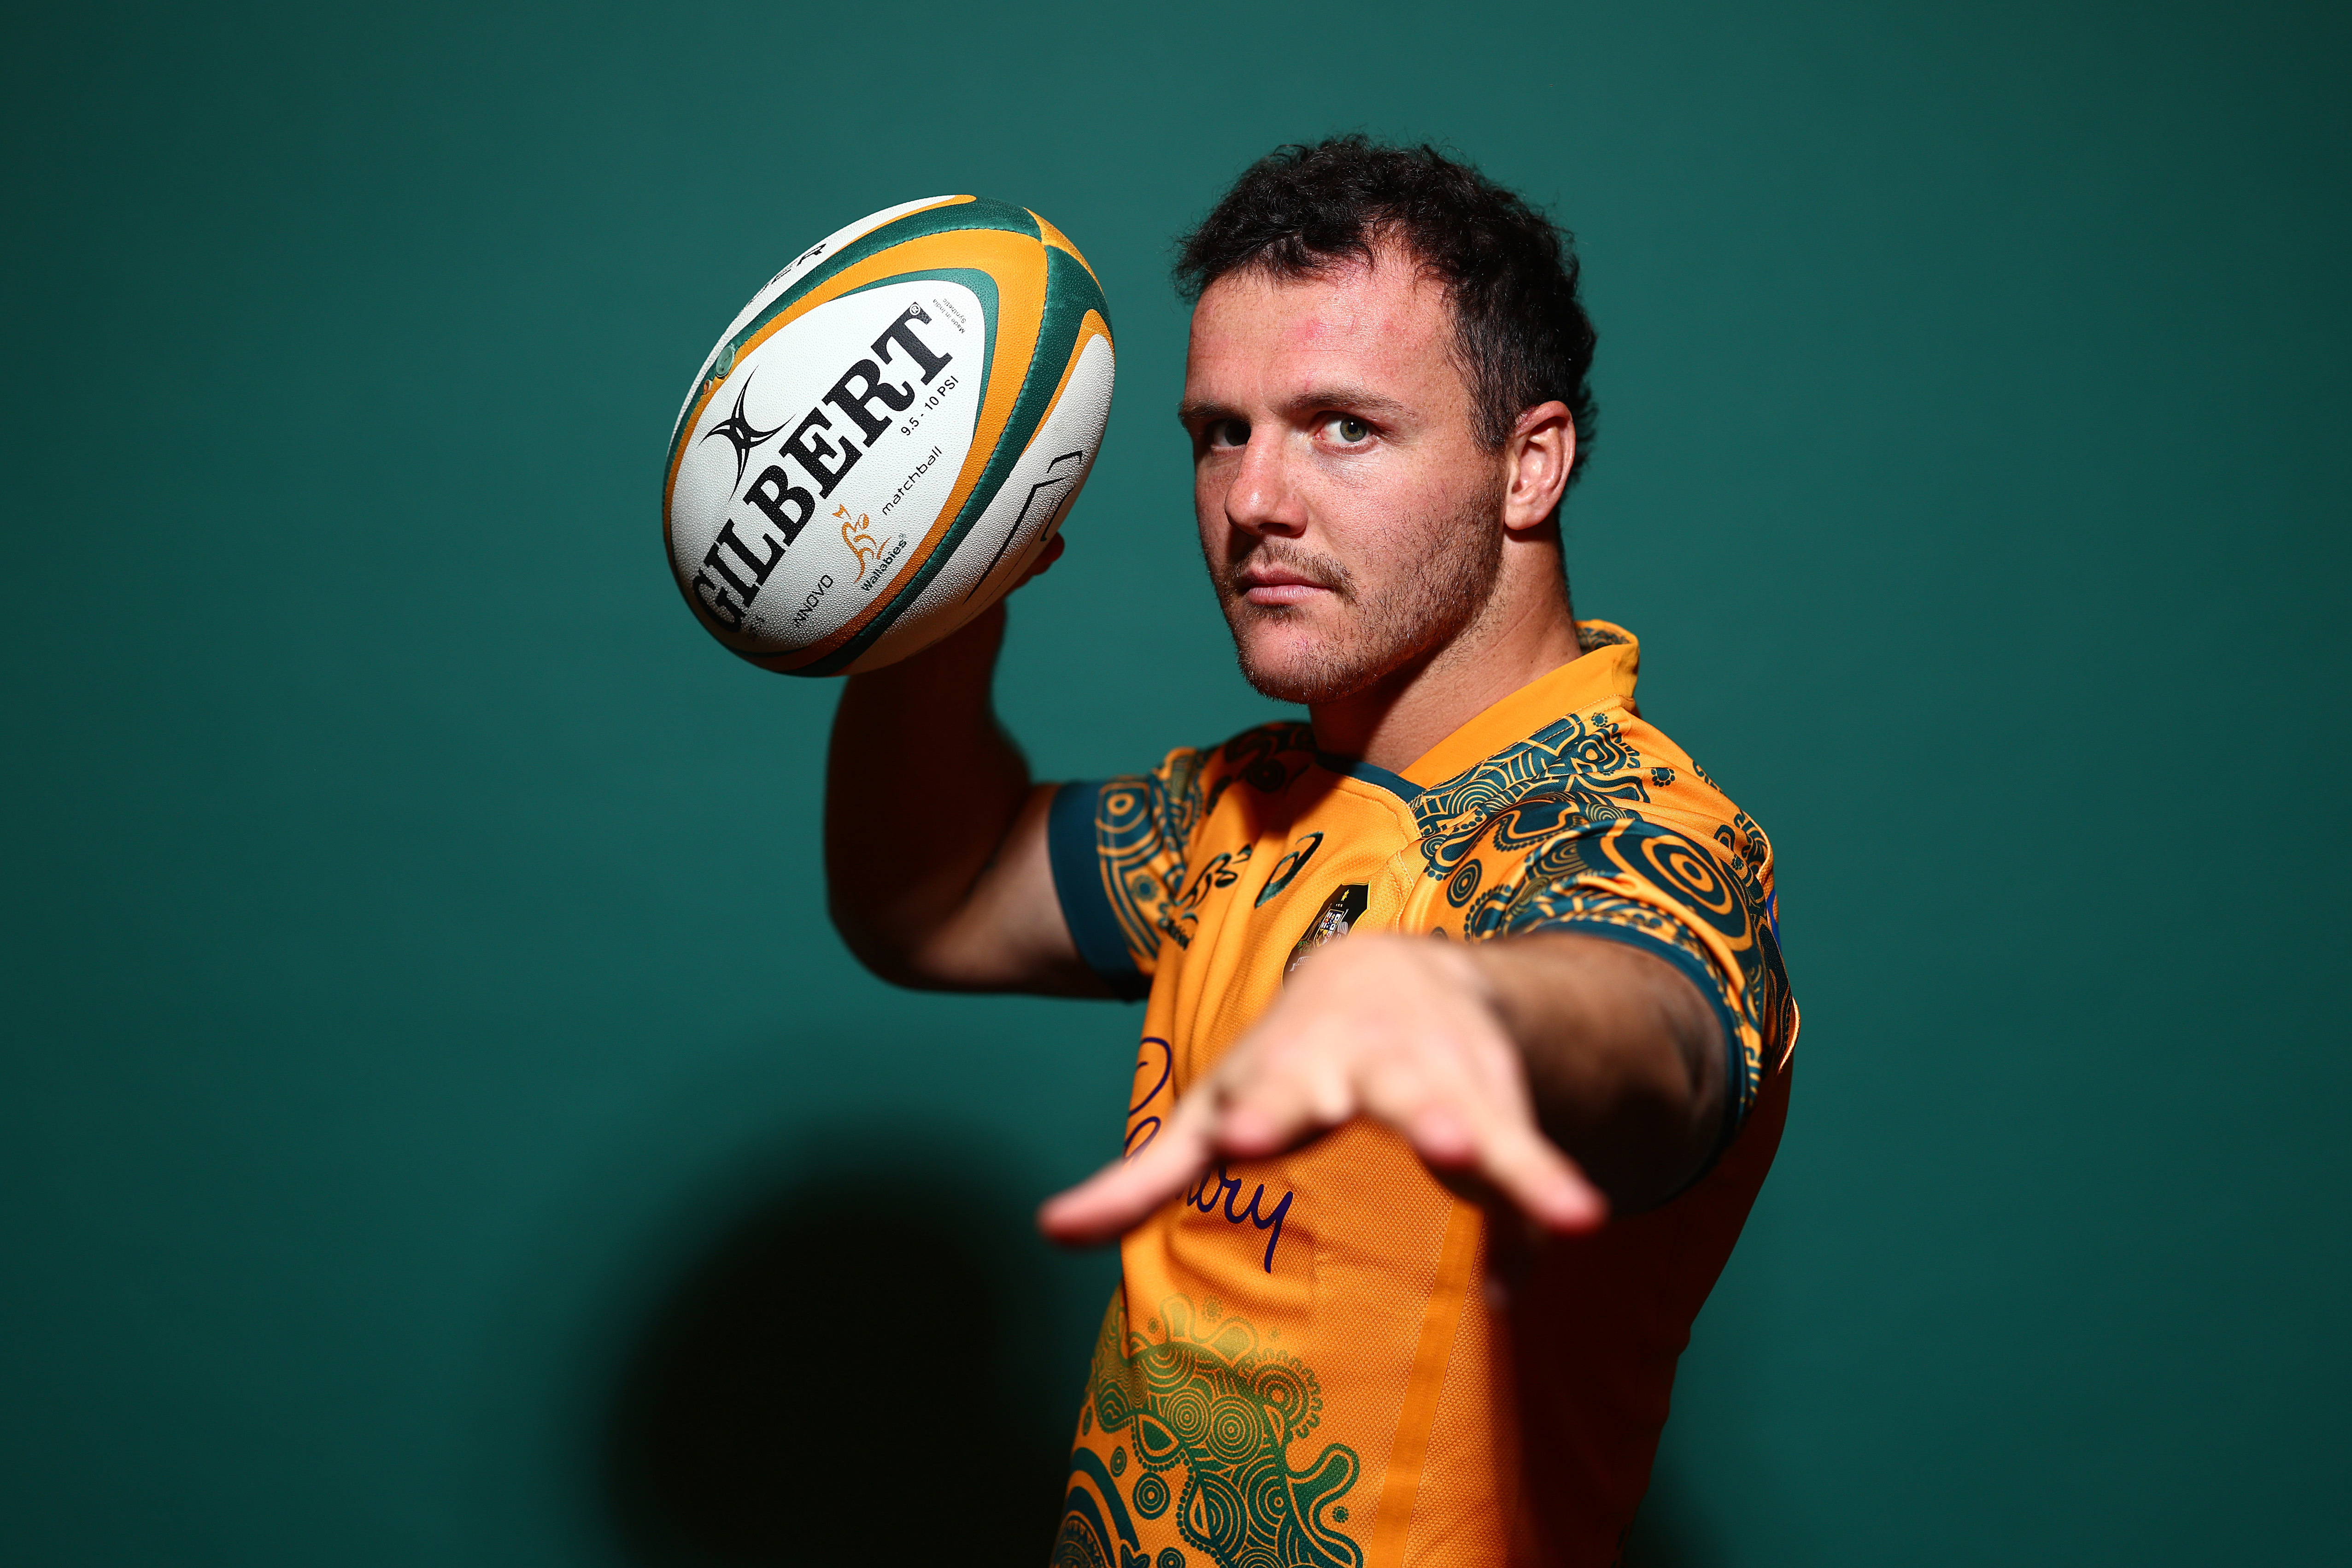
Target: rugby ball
<point>888,435</point>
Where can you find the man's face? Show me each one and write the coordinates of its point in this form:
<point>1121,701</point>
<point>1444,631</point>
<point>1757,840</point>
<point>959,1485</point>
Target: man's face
<point>1349,516</point>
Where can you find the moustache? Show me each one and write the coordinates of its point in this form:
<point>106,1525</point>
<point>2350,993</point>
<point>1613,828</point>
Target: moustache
<point>1274,556</point>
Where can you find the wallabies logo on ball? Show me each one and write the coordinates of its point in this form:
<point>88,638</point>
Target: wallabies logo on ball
<point>855,535</point>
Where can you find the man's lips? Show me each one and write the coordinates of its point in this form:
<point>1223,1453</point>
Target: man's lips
<point>1275,586</point>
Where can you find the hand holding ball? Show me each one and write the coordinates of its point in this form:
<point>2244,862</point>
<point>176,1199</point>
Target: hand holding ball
<point>885,440</point>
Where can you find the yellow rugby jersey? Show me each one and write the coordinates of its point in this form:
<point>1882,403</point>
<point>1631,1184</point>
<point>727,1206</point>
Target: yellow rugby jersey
<point>1299,1368</point>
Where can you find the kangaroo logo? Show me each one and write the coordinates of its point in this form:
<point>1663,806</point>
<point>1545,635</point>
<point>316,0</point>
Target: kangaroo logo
<point>740,433</point>
<point>853,534</point>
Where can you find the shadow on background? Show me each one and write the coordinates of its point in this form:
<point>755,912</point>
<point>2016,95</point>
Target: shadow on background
<point>1671,1530</point>
<point>870,1364</point>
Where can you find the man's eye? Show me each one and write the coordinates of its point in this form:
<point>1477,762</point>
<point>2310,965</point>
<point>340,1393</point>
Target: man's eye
<point>1349,430</point>
<point>1229,433</point>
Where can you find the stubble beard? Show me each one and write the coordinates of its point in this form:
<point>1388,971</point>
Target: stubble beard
<point>1424,606</point>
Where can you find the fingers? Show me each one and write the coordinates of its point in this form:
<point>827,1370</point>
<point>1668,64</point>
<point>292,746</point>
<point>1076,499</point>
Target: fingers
<point>1452,1122</point>
<point>1398,1034</point>
<point>1046,559</point>
<point>1123,1193</point>
<point>1252,1107</point>
<point>1460,1115</point>
<point>1278,1100</point>
<point>1542,1182</point>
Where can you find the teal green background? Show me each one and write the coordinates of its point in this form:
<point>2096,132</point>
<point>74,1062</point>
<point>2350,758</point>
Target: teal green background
<point>416,959</point>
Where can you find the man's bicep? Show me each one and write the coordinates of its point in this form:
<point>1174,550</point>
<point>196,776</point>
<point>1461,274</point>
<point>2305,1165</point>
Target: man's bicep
<point>1073,904</point>
<point>1010,934</point>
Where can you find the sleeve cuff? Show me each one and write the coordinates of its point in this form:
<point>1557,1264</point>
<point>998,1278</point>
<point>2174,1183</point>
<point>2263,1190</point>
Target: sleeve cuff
<point>1085,904</point>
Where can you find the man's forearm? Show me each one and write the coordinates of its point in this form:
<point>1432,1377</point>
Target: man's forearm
<point>922,784</point>
<point>1624,1058</point>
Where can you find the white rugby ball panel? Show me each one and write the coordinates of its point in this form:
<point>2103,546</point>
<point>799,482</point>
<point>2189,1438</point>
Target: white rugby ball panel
<point>816,267</point>
<point>743,476</point>
<point>793,271</point>
<point>888,435</point>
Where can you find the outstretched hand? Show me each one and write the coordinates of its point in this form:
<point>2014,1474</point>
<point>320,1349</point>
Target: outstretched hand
<point>1406,1031</point>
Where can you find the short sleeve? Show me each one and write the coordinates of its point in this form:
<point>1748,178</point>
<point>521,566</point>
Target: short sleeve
<point>1634,881</point>
<point>1118,849</point>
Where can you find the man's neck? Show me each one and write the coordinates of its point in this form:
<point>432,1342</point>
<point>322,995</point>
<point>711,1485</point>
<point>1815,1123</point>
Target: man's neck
<point>1522,636</point>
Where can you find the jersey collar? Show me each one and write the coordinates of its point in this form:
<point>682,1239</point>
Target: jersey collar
<point>1602,676</point>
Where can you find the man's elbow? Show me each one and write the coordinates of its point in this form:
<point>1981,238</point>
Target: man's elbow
<point>913,955</point>
<point>890,950</point>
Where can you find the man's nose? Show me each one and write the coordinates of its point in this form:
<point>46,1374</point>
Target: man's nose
<point>1262,498</point>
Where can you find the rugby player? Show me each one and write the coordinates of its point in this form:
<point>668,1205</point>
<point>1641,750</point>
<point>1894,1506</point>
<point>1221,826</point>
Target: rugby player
<point>1466,1037</point>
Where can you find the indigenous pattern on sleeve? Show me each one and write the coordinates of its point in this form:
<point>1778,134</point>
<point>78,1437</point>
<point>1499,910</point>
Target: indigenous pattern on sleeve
<point>1597,824</point>
<point>1122,849</point>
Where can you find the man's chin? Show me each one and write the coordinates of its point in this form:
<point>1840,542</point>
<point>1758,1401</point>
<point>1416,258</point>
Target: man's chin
<point>1293,654</point>
<point>1304,675</point>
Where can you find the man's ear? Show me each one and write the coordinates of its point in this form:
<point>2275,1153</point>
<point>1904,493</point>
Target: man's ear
<point>1536,457</point>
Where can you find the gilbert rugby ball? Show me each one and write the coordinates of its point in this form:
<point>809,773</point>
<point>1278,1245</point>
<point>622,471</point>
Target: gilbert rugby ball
<point>888,435</point>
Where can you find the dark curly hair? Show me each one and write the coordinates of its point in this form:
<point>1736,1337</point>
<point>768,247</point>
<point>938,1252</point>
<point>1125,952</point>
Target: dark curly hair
<point>1509,272</point>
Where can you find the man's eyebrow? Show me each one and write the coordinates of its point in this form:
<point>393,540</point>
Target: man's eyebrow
<point>1346,399</point>
<point>1315,400</point>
